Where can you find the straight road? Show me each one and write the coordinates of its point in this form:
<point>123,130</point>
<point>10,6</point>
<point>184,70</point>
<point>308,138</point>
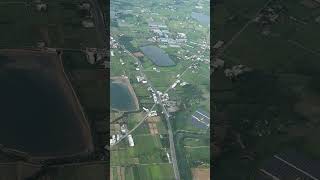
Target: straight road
<point>99,21</point>
<point>166,115</point>
<point>234,37</point>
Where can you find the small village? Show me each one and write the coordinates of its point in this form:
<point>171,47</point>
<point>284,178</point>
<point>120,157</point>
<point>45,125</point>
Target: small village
<point>168,68</point>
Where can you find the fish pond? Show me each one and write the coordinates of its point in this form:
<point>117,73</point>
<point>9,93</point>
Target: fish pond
<point>122,95</point>
<point>39,113</point>
<point>157,56</point>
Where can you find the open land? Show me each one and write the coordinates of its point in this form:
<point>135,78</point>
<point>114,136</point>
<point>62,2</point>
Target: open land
<point>171,84</point>
<point>54,75</point>
<point>270,107</point>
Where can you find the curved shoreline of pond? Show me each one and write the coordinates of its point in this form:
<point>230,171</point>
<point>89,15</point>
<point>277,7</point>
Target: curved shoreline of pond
<point>125,82</point>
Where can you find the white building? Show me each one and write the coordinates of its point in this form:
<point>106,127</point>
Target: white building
<point>130,139</point>
<point>145,109</point>
<point>152,113</point>
<point>174,85</point>
<point>168,157</point>
<point>139,78</point>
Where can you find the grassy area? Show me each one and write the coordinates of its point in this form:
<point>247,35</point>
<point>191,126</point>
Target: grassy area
<point>177,17</point>
<point>147,149</point>
<point>153,172</point>
<point>270,112</point>
<point>59,26</point>
<point>16,28</point>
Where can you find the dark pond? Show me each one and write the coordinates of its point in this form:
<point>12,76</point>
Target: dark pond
<point>35,115</point>
<point>157,55</point>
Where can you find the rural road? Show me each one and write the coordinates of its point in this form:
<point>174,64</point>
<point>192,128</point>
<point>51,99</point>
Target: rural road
<point>235,36</point>
<point>99,20</point>
<point>166,115</point>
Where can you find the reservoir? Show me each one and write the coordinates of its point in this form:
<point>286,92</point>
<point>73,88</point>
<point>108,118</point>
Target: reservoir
<point>202,18</point>
<point>39,113</point>
<point>157,56</point>
<point>122,95</point>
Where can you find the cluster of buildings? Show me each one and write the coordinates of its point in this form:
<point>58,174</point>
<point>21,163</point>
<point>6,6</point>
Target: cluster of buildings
<point>178,81</point>
<point>113,43</point>
<point>41,6</point>
<point>88,21</point>
<point>150,113</point>
<point>95,55</point>
<point>159,96</point>
<point>218,63</point>
<point>141,79</point>
<point>269,16</point>
<point>236,71</point>
<point>163,35</point>
<point>123,131</point>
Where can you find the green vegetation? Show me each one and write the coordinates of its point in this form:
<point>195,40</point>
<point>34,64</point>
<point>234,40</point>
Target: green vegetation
<point>58,26</point>
<point>130,29</point>
<point>266,108</point>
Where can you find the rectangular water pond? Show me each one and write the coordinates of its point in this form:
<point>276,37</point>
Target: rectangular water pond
<point>157,56</point>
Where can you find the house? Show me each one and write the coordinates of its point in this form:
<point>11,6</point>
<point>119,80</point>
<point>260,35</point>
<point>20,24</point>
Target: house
<point>91,55</point>
<point>130,139</point>
<point>84,6</point>
<point>218,63</point>
<point>138,54</point>
<point>87,23</point>
<point>139,78</point>
<point>152,113</point>
<point>41,7</point>
<point>218,44</point>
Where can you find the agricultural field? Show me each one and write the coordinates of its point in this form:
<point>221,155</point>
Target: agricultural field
<point>164,43</point>
<point>59,25</point>
<point>267,106</point>
<point>59,30</point>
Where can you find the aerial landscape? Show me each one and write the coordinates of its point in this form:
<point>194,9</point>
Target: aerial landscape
<point>159,90</point>
<point>53,75</point>
<point>265,91</point>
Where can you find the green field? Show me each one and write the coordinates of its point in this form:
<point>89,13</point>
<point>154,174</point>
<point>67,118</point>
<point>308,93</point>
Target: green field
<point>268,107</point>
<point>153,172</point>
<point>148,149</point>
<point>59,26</point>
<point>131,30</point>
